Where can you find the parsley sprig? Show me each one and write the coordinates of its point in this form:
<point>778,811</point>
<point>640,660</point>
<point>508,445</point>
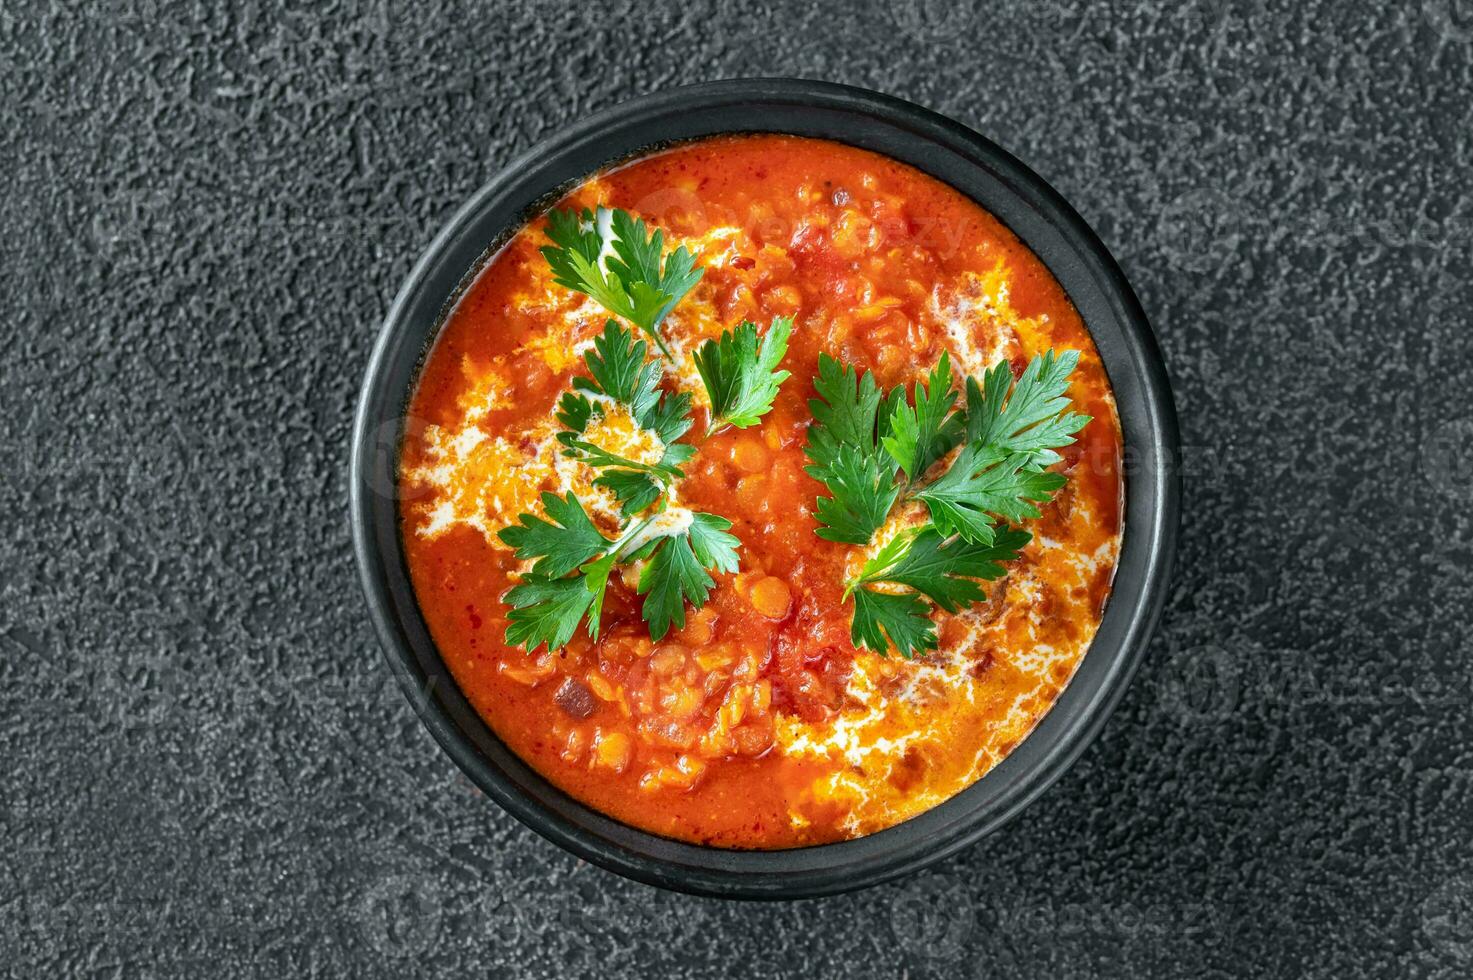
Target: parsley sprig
<point>874,451</point>
<point>850,418</point>
<point>613,259</point>
<point>740,373</point>
<point>926,563</point>
<point>677,570</point>
<point>573,559</point>
<point>549,603</point>
<point>619,373</point>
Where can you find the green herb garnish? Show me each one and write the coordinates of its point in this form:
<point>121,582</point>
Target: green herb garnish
<point>548,603</point>
<point>559,545</point>
<point>927,564</point>
<point>572,559</point>
<point>873,451</point>
<point>620,373</point>
<point>740,373</point>
<point>610,257</point>
<point>850,417</point>
<point>677,571</point>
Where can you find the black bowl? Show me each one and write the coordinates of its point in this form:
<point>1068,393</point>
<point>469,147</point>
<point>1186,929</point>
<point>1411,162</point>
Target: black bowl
<point>940,147</point>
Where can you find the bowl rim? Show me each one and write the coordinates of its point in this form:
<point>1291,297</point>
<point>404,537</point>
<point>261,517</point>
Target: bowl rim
<point>934,144</point>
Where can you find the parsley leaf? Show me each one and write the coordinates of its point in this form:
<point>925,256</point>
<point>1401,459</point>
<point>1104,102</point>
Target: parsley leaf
<point>669,418</point>
<point>547,610</point>
<point>654,289</point>
<point>558,547</point>
<point>978,486</point>
<point>677,571</point>
<point>1033,420</point>
<point>1008,434</point>
<point>595,455</point>
<point>846,413</point>
<point>885,618</point>
<point>713,546</point>
<point>547,604</point>
<point>861,489</point>
<point>610,257</point>
<point>850,420</point>
<point>619,372</point>
<point>635,485</point>
<point>922,434</point>
<point>740,373</point>
<point>942,568</point>
<point>596,581</point>
<point>635,490</point>
<point>577,246</point>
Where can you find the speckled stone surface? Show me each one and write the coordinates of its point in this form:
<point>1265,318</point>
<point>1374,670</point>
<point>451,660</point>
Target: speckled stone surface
<point>206,211</point>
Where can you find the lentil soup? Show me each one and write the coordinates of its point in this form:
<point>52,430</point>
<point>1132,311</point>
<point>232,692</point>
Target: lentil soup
<point>757,724</point>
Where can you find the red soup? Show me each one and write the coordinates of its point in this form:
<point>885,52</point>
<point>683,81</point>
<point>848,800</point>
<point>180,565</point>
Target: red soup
<point>755,719</point>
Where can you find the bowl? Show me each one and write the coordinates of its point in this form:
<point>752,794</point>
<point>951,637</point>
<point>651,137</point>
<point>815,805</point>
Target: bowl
<point>935,145</point>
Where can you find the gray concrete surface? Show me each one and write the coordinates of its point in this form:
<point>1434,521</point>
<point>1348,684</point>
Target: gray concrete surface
<point>206,210</point>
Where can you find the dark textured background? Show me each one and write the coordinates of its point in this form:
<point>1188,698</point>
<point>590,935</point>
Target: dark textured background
<point>206,214</point>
